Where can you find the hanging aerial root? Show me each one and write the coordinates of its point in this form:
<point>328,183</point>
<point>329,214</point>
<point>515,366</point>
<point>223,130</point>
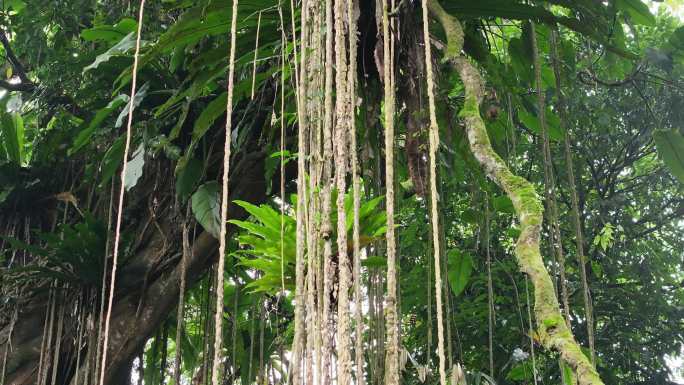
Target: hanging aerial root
<point>218,316</point>
<point>552,329</point>
<point>352,15</point>
<point>300,313</point>
<point>549,178</point>
<point>187,250</point>
<point>573,195</point>
<point>392,375</point>
<point>342,105</point>
<point>434,214</point>
<point>119,211</point>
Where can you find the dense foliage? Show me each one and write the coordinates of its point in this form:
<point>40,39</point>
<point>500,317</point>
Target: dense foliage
<point>611,77</point>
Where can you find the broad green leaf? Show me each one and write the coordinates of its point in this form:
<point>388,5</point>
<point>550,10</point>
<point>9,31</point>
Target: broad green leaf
<point>120,48</point>
<point>13,136</point>
<point>677,39</point>
<point>134,167</point>
<point>111,161</point>
<point>532,122</point>
<point>501,8</point>
<point>264,213</point>
<point>637,11</point>
<point>110,33</point>
<point>460,267</point>
<point>597,269</point>
<point>206,207</point>
<point>188,177</point>
<point>670,146</point>
<point>213,110</point>
<point>568,377</point>
<point>15,5</point>
<point>84,135</point>
<point>521,371</point>
<point>139,96</point>
<point>503,204</point>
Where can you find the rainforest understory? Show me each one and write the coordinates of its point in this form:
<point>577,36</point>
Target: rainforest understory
<point>341,192</point>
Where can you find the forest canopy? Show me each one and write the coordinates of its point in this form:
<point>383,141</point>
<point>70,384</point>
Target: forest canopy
<point>351,192</point>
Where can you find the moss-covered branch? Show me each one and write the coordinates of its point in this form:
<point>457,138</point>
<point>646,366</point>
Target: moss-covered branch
<point>552,329</point>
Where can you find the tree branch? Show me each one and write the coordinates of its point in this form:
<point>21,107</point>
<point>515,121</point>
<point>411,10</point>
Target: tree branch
<point>17,67</point>
<point>552,329</point>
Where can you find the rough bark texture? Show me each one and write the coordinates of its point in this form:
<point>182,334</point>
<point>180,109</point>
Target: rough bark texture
<point>391,318</point>
<point>129,331</point>
<point>300,314</point>
<point>552,329</point>
<point>342,108</point>
<point>353,15</point>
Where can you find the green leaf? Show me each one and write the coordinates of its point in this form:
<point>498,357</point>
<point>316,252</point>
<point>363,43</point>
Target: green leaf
<point>16,5</point>
<point>13,136</point>
<point>568,378</point>
<point>503,204</point>
<point>188,177</point>
<point>470,216</point>
<point>111,161</point>
<point>460,267</point>
<point>206,207</point>
<point>213,110</point>
<point>670,146</point>
<point>597,269</point>
<point>521,371</point>
<point>134,168</point>
<point>84,135</point>
<point>139,96</point>
<point>552,122</point>
<point>501,8</point>
<point>110,33</point>
<point>264,213</point>
<point>637,11</point>
<point>374,261</point>
<point>123,46</point>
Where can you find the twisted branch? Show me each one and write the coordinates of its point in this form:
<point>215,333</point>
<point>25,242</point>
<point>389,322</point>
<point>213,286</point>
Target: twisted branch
<point>552,329</point>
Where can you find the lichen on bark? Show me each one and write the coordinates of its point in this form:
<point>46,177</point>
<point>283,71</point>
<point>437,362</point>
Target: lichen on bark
<point>552,329</point>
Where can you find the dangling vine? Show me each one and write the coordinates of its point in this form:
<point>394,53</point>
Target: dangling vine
<point>122,189</point>
<point>490,288</point>
<point>181,296</point>
<point>549,178</point>
<point>299,316</point>
<point>335,277</point>
<point>343,115</point>
<point>579,241</point>
<point>352,14</point>
<point>434,212</point>
<point>392,337</point>
<point>218,316</point>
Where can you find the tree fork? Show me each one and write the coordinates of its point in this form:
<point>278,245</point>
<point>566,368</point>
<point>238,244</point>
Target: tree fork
<point>551,326</point>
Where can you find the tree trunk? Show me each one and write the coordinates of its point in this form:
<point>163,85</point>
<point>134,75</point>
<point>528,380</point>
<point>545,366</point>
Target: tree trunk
<point>159,296</point>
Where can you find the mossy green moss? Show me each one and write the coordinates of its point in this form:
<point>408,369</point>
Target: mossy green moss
<point>471,107</point>
<point>553,330</point>
<point>552,322</point>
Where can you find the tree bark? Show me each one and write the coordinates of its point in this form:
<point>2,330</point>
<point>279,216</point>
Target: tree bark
<point>130,327</point>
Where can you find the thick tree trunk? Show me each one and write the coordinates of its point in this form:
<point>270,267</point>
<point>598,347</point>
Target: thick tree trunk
<point>129,331</point>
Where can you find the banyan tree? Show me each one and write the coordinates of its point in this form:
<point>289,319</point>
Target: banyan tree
<point>341,192</point>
